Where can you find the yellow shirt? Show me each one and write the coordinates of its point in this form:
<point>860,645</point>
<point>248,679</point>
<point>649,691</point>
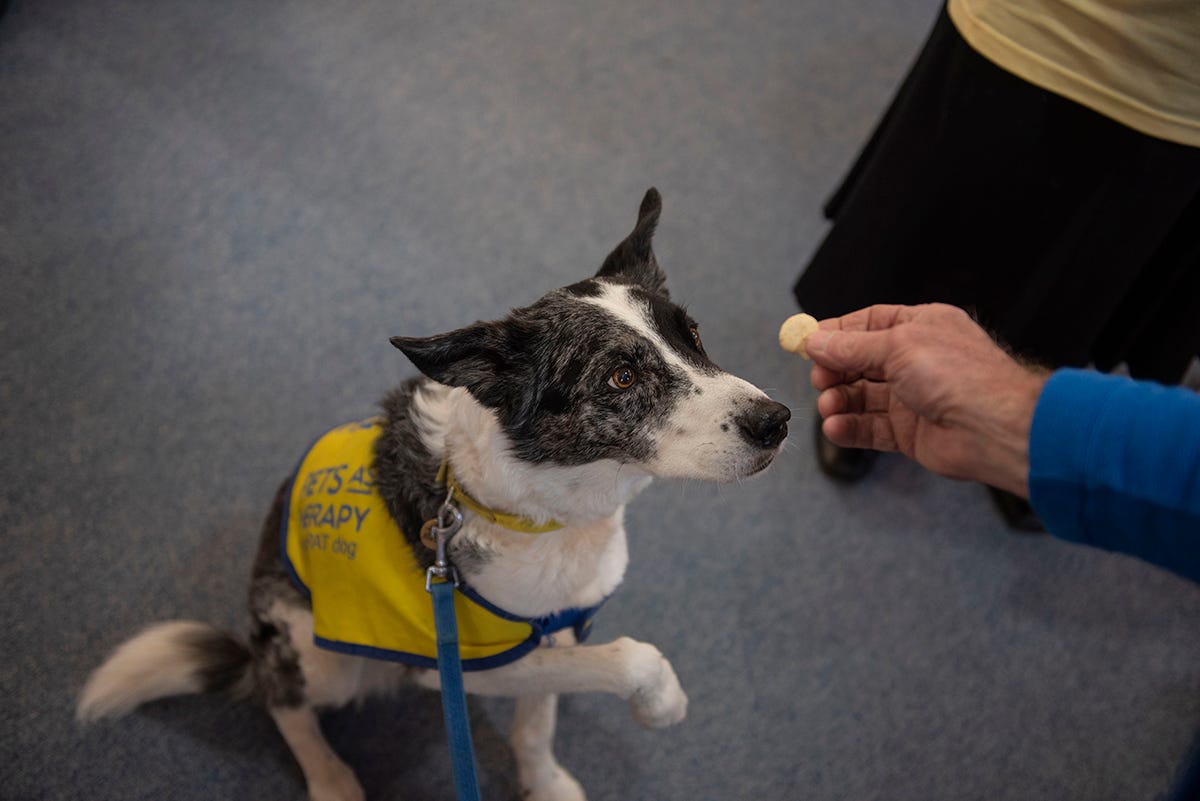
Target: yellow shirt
<point>347,554</point>
<point>1134,61</point>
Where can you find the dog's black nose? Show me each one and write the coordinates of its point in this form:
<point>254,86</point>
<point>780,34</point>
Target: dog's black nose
<point>765,423</point>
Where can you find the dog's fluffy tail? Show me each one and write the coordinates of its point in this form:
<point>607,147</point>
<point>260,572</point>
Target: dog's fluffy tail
<point>179,657</point>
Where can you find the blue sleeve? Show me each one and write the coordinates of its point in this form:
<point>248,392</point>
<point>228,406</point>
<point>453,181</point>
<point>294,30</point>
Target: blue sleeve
<point>1115,463</point>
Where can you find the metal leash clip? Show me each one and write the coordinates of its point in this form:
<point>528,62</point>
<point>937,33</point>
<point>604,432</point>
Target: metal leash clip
<point>449,521</point>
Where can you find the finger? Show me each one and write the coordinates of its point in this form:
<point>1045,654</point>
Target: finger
<point>834,400</point>
<point>823,378</point>
<point>879,317</point>
<point>872,318</point>
<point>871,431</point>
<point>857,398</point>
<point>851,354</point>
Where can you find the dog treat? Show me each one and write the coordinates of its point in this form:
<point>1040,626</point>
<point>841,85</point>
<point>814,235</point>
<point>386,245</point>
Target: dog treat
<point>795,333</point>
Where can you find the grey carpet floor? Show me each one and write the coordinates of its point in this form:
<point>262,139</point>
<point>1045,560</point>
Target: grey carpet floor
<point>214,215</point>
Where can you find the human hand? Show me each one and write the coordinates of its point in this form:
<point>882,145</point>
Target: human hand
<point>929,382</point>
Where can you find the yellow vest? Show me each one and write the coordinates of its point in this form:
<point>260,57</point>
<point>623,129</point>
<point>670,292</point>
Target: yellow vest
<point>346,553</point>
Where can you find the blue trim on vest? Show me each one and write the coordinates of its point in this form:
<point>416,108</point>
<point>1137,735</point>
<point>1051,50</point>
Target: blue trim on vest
<point>284,525</point>
<point>577,618</point>
<point>417,660</point>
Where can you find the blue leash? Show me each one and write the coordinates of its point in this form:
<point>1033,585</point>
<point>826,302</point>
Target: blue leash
<point>441,580</point>
<point>454,698</point>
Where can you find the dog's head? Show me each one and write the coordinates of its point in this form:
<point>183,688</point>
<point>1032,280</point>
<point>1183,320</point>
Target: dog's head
<point>610,368</point>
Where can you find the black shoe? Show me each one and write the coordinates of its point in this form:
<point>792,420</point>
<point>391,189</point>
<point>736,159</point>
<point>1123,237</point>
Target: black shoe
<point>1016,511</point>
<point>841,464</point>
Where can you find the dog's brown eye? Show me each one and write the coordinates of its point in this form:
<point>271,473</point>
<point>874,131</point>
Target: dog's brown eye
<point>622,378</point>
<point>696,338</point>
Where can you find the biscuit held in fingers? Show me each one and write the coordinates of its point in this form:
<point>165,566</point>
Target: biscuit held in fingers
<point>795,331</point>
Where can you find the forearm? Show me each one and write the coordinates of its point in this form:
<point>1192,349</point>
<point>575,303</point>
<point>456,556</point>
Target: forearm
<point>1002,458</point>
<point>1116,464</point>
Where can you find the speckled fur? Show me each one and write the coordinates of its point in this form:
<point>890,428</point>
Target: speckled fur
<point>529,412</point>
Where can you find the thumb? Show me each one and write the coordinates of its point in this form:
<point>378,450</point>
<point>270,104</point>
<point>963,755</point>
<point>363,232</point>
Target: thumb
<point>863,352</point>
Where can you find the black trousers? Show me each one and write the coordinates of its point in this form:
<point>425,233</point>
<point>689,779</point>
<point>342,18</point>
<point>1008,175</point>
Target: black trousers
<point>1075,239</point>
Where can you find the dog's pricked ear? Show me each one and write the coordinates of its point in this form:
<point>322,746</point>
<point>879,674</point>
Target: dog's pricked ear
<point>483,358</point>
<point>634,258</point>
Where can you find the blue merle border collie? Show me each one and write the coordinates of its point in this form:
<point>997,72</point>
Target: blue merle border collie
<point>562,411</point>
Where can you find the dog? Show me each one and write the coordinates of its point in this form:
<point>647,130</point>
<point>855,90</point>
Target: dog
<point>544,425</point>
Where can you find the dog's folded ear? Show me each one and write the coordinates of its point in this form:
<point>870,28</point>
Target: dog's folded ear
<point>634,257</point>
<point>485,358</point>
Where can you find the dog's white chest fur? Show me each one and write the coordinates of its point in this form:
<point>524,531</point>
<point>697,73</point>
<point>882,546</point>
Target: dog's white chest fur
<point>533,574</point>
<point>578,565</point>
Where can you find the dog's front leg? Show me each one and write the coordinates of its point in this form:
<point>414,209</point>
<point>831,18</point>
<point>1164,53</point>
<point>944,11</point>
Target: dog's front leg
<point>540,776</point>
<point>327,776</point>
<point>635,671</point>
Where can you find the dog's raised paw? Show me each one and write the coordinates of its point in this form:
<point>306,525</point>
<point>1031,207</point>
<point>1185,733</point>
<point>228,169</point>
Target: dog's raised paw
<point>659,700</point>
